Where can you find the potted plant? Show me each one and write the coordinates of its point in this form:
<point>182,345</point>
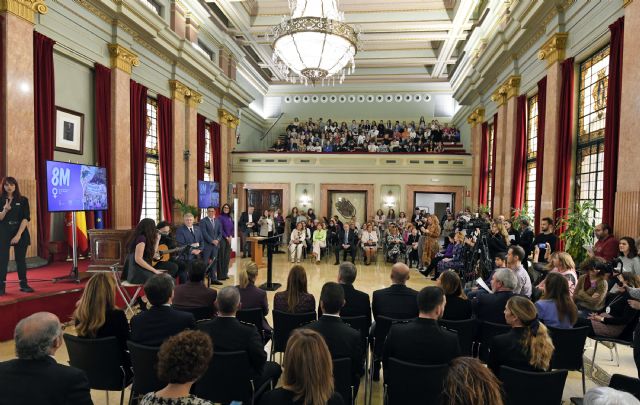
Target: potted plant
<point>483,209</point>
<point>577,225</point>
<point>185,208</point>
<point>520,214</point>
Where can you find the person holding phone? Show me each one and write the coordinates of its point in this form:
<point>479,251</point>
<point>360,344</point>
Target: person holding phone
<point>14,217</point>
<point>544,243</point>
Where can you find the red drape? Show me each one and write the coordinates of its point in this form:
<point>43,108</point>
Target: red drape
<point>542,119</point>
<point>103,129</point>
<point>563,173</point>
<point>612,121</point>
<point>520,154</point>
<point>484,166</point>
<point>45,126</point>
<point>216,152</point>
<point>165,144</point>
<point>138,132</point>
<point>201,125</point>
<point>3,143</point>
<point>493,162</point>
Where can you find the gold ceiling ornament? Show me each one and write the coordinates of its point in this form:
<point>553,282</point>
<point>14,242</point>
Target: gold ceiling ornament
<point>506,90</point>
<point>476,117</point>
<point>228,119</point>
<point>122,58</point>
<point>554,49</point>
<point>25,9</point>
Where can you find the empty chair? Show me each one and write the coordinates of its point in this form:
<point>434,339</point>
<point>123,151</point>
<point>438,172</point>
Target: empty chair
<point>253,316</point>
<point>487,331</point>
<point>615,341</point>
<point>227,379</point>
<point>342,379</point>
<point>143,361</point>
<point>466,330</point>
<point>283,324</point>
<point>569,349</point>
<point>200,313</point>
<point>102,360</point>
<point>408,383</point>
<point>531,387</point>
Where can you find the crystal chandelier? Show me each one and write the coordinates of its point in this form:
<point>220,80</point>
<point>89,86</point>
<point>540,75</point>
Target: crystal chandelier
<point>314,44</point>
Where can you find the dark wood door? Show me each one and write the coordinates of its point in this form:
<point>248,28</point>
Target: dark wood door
<point>264,199</point>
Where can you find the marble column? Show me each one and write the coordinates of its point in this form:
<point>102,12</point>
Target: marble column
<point>627,207</point>
<point>17,150</point>
<point>499,167</point>
<point>122,62</point>
<point>228,123</point>
<point>191,142</point>
<point>475,122</point>
<point>178,93</point>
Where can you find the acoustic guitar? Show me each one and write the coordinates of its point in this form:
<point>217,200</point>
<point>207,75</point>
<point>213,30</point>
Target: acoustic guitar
<point>165,253</point>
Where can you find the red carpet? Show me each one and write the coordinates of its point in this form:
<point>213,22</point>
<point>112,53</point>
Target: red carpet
<point>58,298</point>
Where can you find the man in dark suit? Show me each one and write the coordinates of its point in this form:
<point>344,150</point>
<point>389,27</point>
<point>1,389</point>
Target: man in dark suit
<point>347,242</point>
<point>193,293</point>
<point>153,326</point>
<point>396,301</point>
<point>343,341</point>
<point>490,307</point>
<point>357,303</point>
<point>35,377</point>
<point>229,335</point>
<point>423,341</point>
<point>247,225</point>
<point>189,235</point>
<point>212,238</point>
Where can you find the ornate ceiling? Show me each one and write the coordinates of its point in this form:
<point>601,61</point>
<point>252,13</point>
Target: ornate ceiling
<point>402,41</point>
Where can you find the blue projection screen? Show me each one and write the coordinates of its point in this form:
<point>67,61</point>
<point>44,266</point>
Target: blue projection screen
<point>208,194</point>
<point>75,187</point>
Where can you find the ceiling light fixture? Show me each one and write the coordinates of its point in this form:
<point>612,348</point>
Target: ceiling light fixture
<point>314,44</point>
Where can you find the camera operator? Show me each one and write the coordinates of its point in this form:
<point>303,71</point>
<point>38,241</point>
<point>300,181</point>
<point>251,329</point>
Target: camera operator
<point>497,239</point>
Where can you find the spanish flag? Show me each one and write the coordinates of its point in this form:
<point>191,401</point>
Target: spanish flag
<point>81,231</point>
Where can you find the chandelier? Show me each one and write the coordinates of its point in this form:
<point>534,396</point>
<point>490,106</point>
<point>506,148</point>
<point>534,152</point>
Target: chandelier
<point>314,44</point>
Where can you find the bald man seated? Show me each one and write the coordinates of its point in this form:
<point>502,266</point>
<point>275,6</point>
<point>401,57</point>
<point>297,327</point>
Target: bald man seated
<point>35,377</point>
<point>397,301</point>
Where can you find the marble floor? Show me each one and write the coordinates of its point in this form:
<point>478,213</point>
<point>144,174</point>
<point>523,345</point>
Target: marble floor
<point>370,278</point>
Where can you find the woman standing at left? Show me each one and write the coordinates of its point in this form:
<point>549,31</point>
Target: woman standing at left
<point>14,217</point>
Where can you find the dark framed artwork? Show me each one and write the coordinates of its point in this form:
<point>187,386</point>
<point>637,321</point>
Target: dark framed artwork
<point>69,131</point>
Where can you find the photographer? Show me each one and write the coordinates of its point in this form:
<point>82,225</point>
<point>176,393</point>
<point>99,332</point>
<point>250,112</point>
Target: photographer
<point>497,239</point>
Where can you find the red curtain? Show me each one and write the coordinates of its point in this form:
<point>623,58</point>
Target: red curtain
<point>45,126</point>
<point>3,143</point>
<point>493,162</point>
<point>165,144</point>
<point>612,121</point>
<point>484,165</point>
<point>565,135</point>
<point>138,132</point>
<point>542,119</point>
<point>103,129</point>
<point>201,125</point>
<point>520,155</point>
<point>216,152</point>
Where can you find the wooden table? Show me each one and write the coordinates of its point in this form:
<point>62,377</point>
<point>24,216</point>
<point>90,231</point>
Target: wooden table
<point>256,249</point>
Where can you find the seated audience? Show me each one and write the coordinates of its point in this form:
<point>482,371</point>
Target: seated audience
<point>490,307</point>
<point>527,346</point>
<point>499,262</point>
<point>182,359</point>
<point>296,298</point>
<point>97,316</point>
<point>395,244</point>
<point>629,255</point>
<point>456,261</point>
<point>357,303</point>
<point>562,263</point>
<point>606,245</point>
<point>369,243</point>
<point>556,308</point>
<point>346,242</point>
<point>458,306</point>
<point>302,384</point>
<point>608,396</point>
<point>230,335</point>
<point>422,340</point>
<point>396,301</point>
<point>297,242</point>
<point>412,241</point>
<point>515,254</point>
<point>592,287</point>
<point>252,297</point>
<point>343,341</point>
<point>154,326</point>
<point>194,293</point>
<point>319,240</point>
<point>618,315</point>
<point>469,382</point>
<point>35,377</point>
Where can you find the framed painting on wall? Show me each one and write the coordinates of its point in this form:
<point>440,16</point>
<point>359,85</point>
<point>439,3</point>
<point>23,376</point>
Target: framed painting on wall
<point>69,131</point>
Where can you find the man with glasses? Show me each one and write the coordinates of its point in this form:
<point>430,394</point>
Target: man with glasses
<point>212,236</point>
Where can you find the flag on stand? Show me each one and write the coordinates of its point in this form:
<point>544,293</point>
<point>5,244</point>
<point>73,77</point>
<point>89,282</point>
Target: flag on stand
<point>99,219</point>
<point>81,231</point>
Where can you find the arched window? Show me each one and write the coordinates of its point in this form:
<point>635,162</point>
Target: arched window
<point>151,190</point>
<point>532,153</point>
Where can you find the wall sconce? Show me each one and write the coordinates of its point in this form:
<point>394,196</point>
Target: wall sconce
<point>389,200</point>
<point>305,200</point>
<point>186,154</point>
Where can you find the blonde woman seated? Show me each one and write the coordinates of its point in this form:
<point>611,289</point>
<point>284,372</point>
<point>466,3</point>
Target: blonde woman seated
<point>369,242</point>
<point>297,242</point>
<point>319,240</point>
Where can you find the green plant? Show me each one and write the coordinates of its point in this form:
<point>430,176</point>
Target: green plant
<point>483,209</point>
<point>577,225</point>
<point>521,213</point>
<point>185,208</point>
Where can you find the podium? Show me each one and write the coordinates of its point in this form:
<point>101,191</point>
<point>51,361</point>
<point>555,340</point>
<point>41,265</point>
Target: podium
<point>256,249</point>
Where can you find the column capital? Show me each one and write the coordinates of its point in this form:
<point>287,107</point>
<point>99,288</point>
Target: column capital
<point>122,58</point>
<point>506,90</point>
<point>194,99</point>
<point>476,117</point>
<point>553,50</point>
<point>625,3</point>
<point>179,91</point>
<point>228,119</point>
<point>25,9</point>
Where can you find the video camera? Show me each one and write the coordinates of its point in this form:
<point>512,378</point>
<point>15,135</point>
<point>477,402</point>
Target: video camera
<point>476,223</point>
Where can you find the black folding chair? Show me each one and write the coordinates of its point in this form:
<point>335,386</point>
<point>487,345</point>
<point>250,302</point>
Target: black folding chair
<point>253,316</point>
<point>569,349</point>
<point>283,324</point>
<point>342,379</point>
<point>102,360</point>
<point>621,383</point>
<point>200,313</point>
<point>488,330</point>
<point>549,386</point>
<point>144,361</point>
<point>466,330</point>
<point>361,324</point>
<point>228,378</point>
<point>409,383</point>
<point>615,341</point>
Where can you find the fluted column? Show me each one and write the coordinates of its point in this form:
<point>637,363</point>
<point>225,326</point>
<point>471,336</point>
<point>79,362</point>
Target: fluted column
<point>228,123</point>
<point>191,141</point>
<point>475,122</point>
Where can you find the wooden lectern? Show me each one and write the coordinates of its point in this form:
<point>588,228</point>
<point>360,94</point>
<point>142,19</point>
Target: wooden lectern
<point>256,249</point>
